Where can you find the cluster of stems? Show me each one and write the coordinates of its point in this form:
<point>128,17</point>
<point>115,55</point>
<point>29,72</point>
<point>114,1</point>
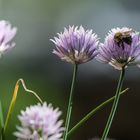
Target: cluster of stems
<point>116,98</point>
<point>68,132</point>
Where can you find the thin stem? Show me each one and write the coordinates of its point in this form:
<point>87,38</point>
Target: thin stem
<point>1,116</point>
<point>114,106</point>
<point>30,91</point>
<point>94,111</point>
<point>69,110</point>
<point>2,134</point>
<point>1,122</point>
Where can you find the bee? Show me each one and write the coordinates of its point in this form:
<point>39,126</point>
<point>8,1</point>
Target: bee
<point>123,37</point>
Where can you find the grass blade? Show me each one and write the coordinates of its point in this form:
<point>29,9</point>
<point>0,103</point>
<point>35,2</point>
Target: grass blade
<point>13,101</point>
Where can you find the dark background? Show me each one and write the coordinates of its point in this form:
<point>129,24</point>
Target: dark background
<point>32,59</point>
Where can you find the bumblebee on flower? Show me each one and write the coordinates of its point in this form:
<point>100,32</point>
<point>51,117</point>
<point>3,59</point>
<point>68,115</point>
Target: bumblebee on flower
<point>121,48</point>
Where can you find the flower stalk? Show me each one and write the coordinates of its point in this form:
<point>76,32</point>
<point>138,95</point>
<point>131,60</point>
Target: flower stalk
<point>114,106</point>
<point>1,123</point>
<point>70,104</point>
<point>94,111</point>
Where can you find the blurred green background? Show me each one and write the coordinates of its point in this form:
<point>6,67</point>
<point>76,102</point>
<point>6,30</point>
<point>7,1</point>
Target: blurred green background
<point>32,59</point>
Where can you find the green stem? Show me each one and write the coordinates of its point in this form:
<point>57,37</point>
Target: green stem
<point>114,106</point>
<point>2,134</point>
<point>1,122</point>
<point>1,116</point>
<point>69,110</point>
<point>90,114</point>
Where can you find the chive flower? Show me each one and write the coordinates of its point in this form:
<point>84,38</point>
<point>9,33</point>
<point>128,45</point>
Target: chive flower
<point>76,45</point>
<point>7,33</point>
<point>40,122</point>
<point>121,48</point>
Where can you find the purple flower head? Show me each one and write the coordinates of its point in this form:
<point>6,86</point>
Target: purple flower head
<point>76,45</point>
<point>40,122</point>
<point>7,33</point>
<point>121,48</point>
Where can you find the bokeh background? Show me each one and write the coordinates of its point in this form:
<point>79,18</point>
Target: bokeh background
<point>32,59</point>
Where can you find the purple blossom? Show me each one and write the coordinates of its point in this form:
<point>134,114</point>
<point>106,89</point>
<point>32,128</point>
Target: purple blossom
<point>76,45</point>
<point>121,48</point>
<point>7,33</point>
<point>40,122</point>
